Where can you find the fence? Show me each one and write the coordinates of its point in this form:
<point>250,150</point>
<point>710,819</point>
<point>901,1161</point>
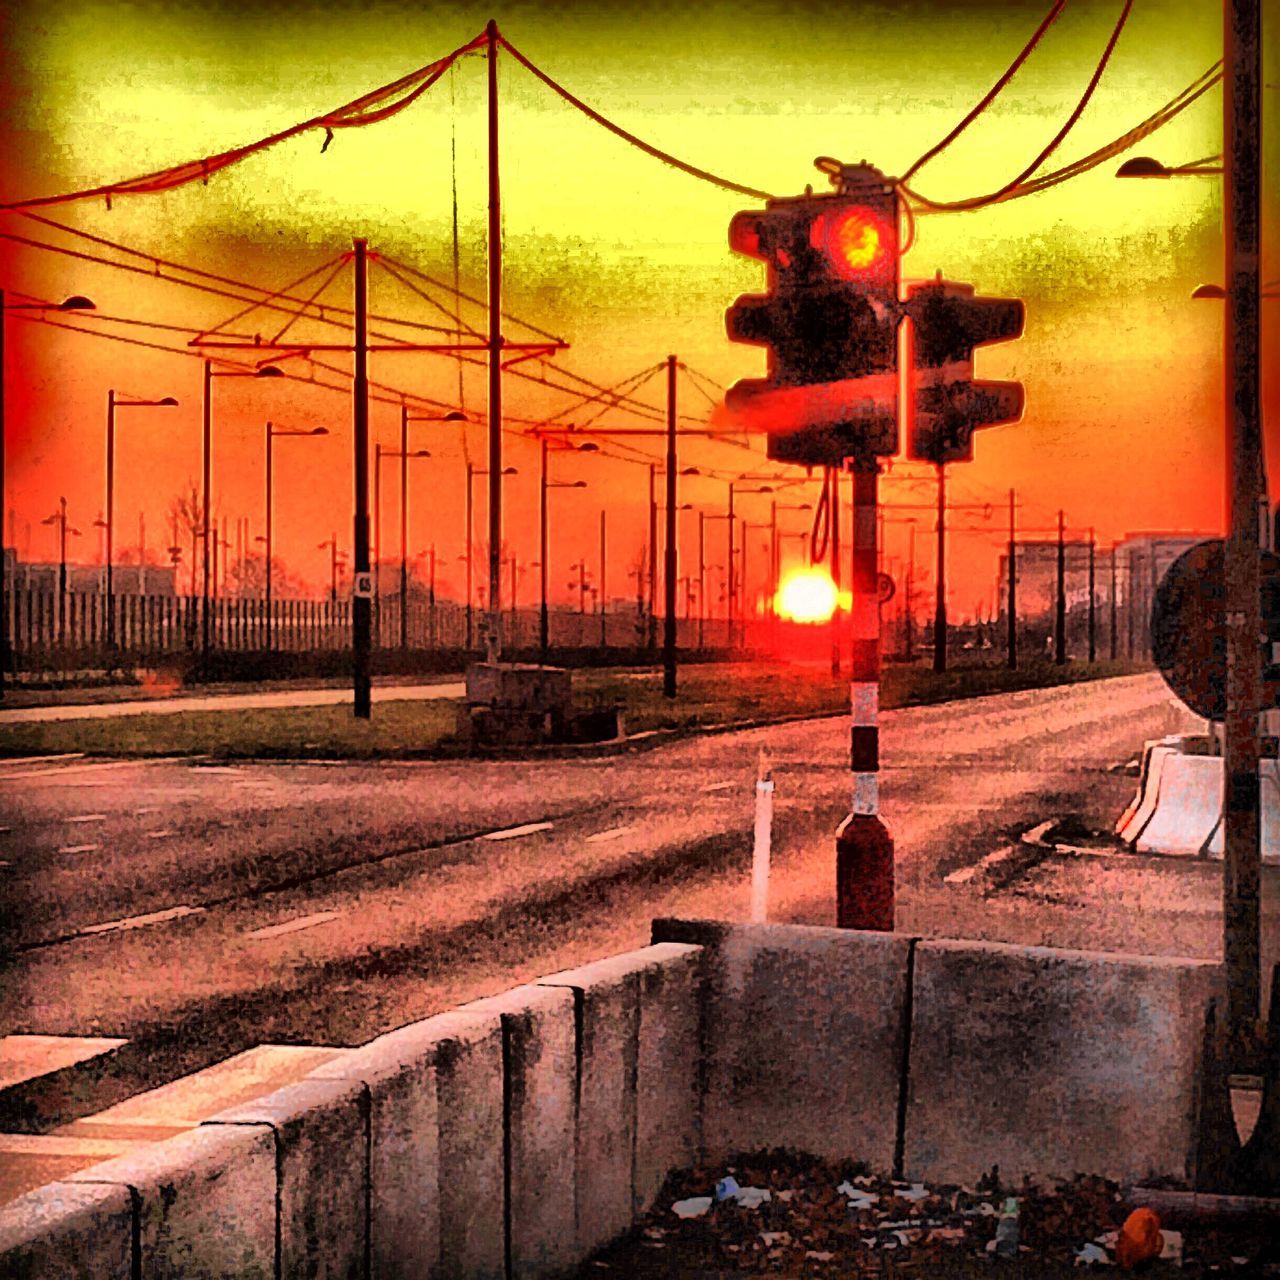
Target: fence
<point>49,630</point>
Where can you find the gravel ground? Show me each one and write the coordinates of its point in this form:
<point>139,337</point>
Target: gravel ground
<point>826,1220</point>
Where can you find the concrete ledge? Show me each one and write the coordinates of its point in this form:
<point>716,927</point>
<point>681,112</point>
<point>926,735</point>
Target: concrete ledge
<point>1052,1062</point>
<point>204,1203</point>
<point>539,1089</point>
<point>68,1231</point>
<point>472,1179</point>
<point>804,1034</point>
<point>321,1130</point>
<point>29,1160</point>
<point>399,1072</point>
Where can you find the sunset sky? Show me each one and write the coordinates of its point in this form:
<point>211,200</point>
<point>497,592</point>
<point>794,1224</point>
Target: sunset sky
<point>623,257</point>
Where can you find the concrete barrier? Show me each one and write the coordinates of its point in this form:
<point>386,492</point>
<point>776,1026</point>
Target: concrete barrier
<point>29,1160</point>
<point>204,1203</point>
<point>1188,807</point>
<point>804,1038</point>
<point>1050,1062</point>
<point>399,1072</point>
<point>68,1231</point>
<point>1140,813</point>
<point>321,1137</point>
<point>539,1086</point>
<point>636,1098</point>
<point>1269,816</point>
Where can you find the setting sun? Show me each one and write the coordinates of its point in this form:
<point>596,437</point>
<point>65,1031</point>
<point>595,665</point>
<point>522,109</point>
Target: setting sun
<point>808,595</point>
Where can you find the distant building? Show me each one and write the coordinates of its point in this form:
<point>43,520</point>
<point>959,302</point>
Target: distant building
<point>89,579</point>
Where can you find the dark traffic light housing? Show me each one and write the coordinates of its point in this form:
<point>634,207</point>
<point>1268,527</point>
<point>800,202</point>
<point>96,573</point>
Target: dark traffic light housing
<point>947,323</point>
<point>829,320</point>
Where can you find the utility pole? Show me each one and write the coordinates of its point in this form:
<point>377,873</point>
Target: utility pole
<point>911,569</point>
<point>493,644</point>
<point>833,474</point>
<point>940,599</point>
<point>1093,644</point>
<point>1241,881</point>
<point>603,517</point>
<point>652,636</point>
<point>702,578</point>
<point>361,605</point>
<point>1013,588</point>
<point>1114,637</point>
<point>1060,626</point>
<point>670,562</point>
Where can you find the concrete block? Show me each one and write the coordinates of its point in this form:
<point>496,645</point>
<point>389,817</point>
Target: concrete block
<point>1149,793</point>
<point>669,1067</point>
<point>29,1160</point>
<point>205,1203</point>
<point>1269,816</point>
<point>399,1072</point>
<point>68,1231</point>
<point>804,1035</point>
<point>539,1083</point>
<point>1051,1062</point>
<point>1188,807</point>
<point>470,1114</point>
<point>321,1130</point>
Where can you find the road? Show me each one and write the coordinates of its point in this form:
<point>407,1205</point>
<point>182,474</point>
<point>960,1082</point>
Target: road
<point>199,910</point>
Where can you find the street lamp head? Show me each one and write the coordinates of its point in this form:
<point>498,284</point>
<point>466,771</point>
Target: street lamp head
<point>76,302</point>
<point>587,446</point>
<point>1143,167</point>
<point>167,403</point>
<point>421,453</point>
<point>455,415</point>
<point>268,371</point>
<point>578,484</point>
<point>510,471</point>
<point>691,471</point>
<point>1209,291</point>
<point>318,431</point>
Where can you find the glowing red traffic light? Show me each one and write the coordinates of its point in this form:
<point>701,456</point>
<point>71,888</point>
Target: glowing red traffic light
<point>857,241</point>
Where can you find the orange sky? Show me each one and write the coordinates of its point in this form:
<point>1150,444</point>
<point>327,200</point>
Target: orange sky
<point>624,258</point>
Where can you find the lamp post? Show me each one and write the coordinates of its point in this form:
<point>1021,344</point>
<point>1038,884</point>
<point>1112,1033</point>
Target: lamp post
<point>472,473</point>
<point>74,303</point>
<point>331,543</point>
<point>543,485</point>
<point>733,595</point>
<point>206,438</point>
<point>453,415</point>
<point>167,402</point>
<point>378,454</point>
<point>59,518</point>
<point>274,432</point>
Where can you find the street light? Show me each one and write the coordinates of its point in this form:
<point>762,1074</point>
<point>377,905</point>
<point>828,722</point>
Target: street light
<point>76,302</point>
<point>732,584</point>
<point>334,557</point>
<point>206,445</point>
<point>586,447</point>
<point>453,415</point>
<point>167,402</point>
<point>1146,167</point>
<point>273,433</point>
<point>59,518</point>
<point>472,472</point>
<point>378,454</point>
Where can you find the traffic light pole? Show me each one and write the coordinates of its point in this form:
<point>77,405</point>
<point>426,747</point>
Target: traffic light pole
<point>940,597</point>
<point>1013,588</point>
<point>1241,881</point>
<point>864,848</point>
<point>361,605</point>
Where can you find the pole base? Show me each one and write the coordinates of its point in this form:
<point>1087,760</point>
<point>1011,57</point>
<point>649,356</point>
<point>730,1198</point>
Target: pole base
<point>864,874</point>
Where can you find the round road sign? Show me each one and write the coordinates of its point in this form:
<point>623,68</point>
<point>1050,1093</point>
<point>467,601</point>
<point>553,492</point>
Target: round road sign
<point>885,587</point>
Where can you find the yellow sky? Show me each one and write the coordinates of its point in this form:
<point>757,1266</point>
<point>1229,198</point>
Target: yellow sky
<point>625,258</point>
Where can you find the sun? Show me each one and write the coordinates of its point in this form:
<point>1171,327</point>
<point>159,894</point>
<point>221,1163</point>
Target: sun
<point>807,595</point>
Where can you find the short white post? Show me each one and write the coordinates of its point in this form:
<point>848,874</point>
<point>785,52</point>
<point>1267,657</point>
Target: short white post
<point>763,841</point>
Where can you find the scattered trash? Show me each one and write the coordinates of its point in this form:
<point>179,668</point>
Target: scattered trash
<point>1172,1251</point>
<point>1140,1239</point>
<point>694,1207</point>
<point>752,1197</point>
<point>1007,1231</point>
<point>726,1187</point>
<point>1091,1254</point>
<point>772,1238</point>
<point>916,1191</point>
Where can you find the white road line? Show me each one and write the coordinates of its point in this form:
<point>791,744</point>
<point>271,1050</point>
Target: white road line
<point>159,835</point>
<point>612,834</point>
<point>718,786</point>
<point>214,768</point>
<point>511,833</point>
<point>141,922</point>
<point>63,755</point>
<point>1037,833</point>
<point>87,817</point>
<point>96,766</point>
<point>989,863</point>
<point>79,848</point>
<point>292,926</point>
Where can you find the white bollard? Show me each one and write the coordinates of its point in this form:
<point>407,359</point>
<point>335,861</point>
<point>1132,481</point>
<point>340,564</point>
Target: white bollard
<point>763,842</point>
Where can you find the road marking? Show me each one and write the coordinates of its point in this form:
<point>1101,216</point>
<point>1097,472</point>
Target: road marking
<point>214,768</point>
<point>88,817</point>
<point>989,863</point>
<point>292,926</point>
<point>79,848</point>
<point>141,922</point>
<point>512,832</point>
<point>142,813</point>
<point>718,786</point>
<point>612,834</point>
<point>1037,833</point>
<point>159,835</point>
<point>96,766</point>
<point>64,755</point>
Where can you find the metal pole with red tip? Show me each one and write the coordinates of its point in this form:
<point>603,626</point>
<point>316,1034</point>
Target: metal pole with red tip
<point>864,848</point>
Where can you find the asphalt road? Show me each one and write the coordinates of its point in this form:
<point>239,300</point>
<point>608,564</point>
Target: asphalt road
<point>199,910</point>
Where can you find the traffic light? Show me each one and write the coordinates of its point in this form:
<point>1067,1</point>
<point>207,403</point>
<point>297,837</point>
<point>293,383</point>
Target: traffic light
<point>829,320</point>
<point>947,323</point>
